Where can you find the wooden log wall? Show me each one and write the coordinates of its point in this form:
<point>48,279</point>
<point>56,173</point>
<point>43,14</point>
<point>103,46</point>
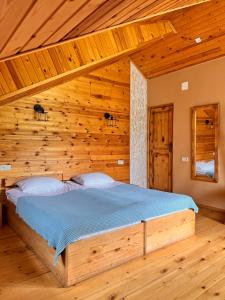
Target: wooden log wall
<point>76,137</point>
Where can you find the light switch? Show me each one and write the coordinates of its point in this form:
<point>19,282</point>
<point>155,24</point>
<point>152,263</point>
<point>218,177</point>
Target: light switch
<point>198,40</point>
<point>184,158</point>
<point>184,86</point>
<point>5,167</point>
<point>120,162</point>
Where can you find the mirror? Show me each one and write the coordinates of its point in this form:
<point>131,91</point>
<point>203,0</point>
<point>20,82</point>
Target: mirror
<point>205,143</point>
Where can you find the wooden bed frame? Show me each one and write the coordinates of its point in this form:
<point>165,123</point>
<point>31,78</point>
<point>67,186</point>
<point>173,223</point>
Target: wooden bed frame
<point>163,231</point>
<point>85,258</point>
<point>91,256</point>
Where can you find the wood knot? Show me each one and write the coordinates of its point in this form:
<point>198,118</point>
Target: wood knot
<point>202,259</point>
<point>112,297</point>
<point>181,259</point>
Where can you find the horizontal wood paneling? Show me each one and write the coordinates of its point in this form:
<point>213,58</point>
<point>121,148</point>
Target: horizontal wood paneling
<point>42,69</point>
<point>76,137</point>
<point>180,50</point>
<point>30,24</point>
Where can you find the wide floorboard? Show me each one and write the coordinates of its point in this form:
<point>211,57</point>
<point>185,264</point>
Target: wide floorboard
<point>191,269</point>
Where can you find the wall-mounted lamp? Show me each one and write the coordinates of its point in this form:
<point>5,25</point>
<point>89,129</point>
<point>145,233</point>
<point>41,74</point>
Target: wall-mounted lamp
<point>111,120</point>
<point>40,113</point>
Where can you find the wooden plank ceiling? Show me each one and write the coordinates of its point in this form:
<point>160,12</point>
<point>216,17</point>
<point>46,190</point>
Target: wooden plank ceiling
<point>30,24</point>
<point>33,72</point>
<point>178,51</point>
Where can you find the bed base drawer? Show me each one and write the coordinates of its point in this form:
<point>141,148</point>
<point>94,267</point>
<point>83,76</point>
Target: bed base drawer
<point>85,258</point>
<point>163,231</point>
<point>35,242</point>
<point>92,256</point>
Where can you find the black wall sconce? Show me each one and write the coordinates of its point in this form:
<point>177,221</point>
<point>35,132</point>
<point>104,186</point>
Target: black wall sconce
<point>111,120</point>
<point>40,113</point>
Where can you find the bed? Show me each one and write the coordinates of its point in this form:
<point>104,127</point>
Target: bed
<point>96,251</point>
<point>205,168</point>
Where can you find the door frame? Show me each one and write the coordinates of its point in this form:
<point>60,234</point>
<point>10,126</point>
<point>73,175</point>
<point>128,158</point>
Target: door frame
<point>148,141</point>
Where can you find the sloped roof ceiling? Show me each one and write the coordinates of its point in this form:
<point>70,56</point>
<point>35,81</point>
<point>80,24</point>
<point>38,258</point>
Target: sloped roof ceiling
<point>167,53</point>
<point>33,72</point>
<point>30,24</point>
<point>180,50</point>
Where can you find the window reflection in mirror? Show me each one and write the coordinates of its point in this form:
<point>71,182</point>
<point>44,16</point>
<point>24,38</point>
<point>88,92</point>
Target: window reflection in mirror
<point>205,142</point>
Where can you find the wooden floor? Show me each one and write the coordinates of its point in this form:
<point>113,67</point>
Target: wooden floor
<point>191,269</point>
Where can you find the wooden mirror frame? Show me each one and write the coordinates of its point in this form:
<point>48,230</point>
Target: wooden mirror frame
<point>194,110</point>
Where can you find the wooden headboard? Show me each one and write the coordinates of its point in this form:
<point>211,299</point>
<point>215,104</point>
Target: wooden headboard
<point>11,180</point>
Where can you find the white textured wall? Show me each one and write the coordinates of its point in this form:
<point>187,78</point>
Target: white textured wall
<point>138,127</point>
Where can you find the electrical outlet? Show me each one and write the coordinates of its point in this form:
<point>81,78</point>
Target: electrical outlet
<point>184,159</point>
<point>184,86</point>
<point>198,40</point>
<point>120,162</point>
<point>5,167</point>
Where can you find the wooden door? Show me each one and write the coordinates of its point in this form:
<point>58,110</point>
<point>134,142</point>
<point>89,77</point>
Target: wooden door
<point>161,147</point>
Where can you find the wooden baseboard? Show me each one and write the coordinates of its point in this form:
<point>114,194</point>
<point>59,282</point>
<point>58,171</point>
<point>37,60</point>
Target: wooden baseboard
<point>216,215</point>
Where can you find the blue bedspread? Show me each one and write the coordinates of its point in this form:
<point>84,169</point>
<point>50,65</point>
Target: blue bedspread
<point>69,217</point>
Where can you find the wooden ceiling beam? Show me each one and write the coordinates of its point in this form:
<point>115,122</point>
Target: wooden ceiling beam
<point>34,72</point>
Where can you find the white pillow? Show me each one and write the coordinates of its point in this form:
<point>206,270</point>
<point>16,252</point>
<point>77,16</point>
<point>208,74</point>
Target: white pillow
<point>93,179</point>
<point>40,185</point>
